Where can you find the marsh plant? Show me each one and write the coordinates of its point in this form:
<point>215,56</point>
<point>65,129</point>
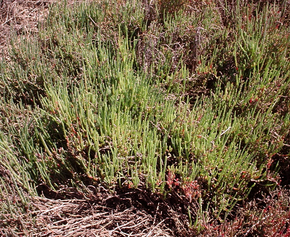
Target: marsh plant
<point>186,98</point>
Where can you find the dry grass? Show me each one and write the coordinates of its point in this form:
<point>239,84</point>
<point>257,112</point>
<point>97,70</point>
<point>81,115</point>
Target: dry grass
<point>22,16</point>
<point>80,217</point>
<point>98,214</point>
<point>18,16</point>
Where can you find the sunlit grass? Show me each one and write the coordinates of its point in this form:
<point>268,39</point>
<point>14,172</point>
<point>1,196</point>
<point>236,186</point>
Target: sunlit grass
<point>105,95</point>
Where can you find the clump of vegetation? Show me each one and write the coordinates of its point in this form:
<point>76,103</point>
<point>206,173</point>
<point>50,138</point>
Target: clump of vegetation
<point>185,100</point>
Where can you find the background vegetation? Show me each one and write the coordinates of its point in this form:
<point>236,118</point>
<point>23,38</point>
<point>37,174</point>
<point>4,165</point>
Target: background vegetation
<point>185,100</point>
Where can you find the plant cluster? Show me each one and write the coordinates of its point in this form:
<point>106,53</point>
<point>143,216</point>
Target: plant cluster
<point>189,98</point>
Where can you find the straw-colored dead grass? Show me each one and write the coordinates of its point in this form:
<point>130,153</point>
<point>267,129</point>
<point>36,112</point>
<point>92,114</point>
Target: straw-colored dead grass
<point>18,16</point>
<point>80,217</point>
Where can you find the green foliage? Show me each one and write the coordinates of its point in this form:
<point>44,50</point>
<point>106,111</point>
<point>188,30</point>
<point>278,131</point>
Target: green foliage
<point>105,95</point>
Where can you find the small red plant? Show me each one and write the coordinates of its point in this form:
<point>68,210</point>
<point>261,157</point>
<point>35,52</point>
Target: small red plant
<point>191,189</point>
<point>171,179</point>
